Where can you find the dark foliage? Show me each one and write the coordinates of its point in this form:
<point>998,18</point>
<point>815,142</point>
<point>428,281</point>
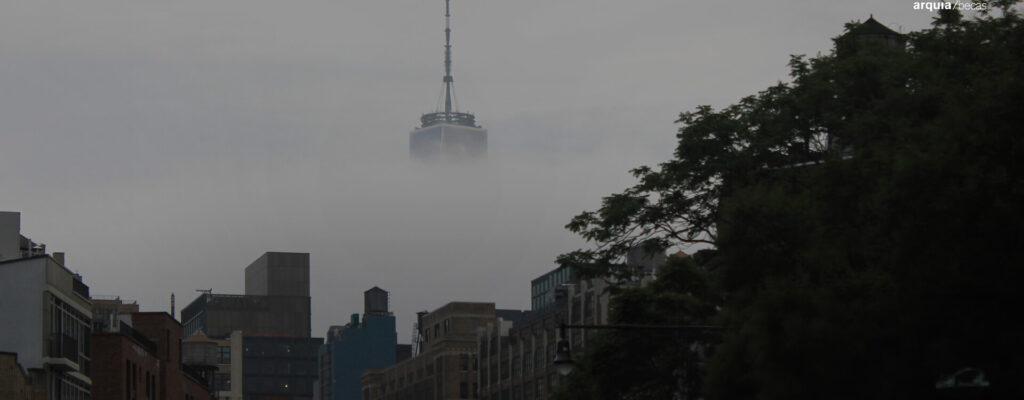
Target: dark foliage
<point>866,218</point>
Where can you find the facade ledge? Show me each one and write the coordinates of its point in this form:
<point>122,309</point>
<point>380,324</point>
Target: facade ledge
<point>80,376</point>
<point>60,363</point>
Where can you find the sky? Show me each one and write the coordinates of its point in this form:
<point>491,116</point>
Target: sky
<point>164,146</point>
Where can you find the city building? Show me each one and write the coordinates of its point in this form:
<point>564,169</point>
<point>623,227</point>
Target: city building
<point>175,379</point>
<point>276,301</point>
<point>516,352</point>
<point>445,367</point>
<point>261,338</point>
<point>448,134</point>
<point>227,379</point>
<point>357,346</point>
<point>12,244</point>
<point>279,367</point>
<point>108,312</point>
<point>50,327</point>
<point>126,364</point>
<point>16,383</point>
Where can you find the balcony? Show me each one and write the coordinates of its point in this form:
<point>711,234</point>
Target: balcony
<point>79,287</point>
<point>63,353</point>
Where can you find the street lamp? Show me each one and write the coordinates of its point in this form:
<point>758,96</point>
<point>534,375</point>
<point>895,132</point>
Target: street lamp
<point>563,356</point>
<point>564,363</point>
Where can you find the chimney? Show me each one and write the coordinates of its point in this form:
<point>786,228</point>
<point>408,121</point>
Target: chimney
<point>58,256</point>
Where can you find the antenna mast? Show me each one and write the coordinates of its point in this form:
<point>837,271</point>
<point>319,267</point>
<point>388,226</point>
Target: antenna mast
<point>447,62</point>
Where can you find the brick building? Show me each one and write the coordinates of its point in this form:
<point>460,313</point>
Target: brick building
<point>174,380</point>
<point>125,365</point>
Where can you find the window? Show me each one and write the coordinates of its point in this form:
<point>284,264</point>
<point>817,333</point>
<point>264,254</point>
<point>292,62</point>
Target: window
<point>222,381</point>
<point>463,390</point>
<point>463,362</point>
<point>224,354</point>
<point>447,325</point>
<point>127,379</point>
<point>437,329</point>
<point>589,307</point>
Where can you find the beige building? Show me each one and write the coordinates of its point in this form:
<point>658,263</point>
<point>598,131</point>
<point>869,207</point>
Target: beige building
<point>515,356</point>
<point>446,367</point>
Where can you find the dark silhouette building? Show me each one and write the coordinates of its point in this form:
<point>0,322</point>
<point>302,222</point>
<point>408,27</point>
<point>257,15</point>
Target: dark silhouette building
<point>262,338</point>
<point>276,301</point>
<point>358,346</point>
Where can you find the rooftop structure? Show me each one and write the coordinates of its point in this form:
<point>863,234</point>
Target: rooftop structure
<point>357,346</point>
<point>276,301</point>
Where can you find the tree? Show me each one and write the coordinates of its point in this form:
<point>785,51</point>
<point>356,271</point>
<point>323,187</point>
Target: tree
<point>866,217</point>
<point>645,370</point>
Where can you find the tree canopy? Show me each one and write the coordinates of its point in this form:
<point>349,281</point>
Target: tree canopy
<point>863,220</point>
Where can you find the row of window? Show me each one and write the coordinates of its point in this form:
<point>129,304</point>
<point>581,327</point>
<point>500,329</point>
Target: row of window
<point>68,388</point>
<point>551,281</point>
<point>447,326</point>
<point>70,333</point>
<point>132,374</point>
<point>538,358</point>
<point>529,390</point>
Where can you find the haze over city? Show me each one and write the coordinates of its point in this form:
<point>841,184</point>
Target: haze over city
<point>164,147</point>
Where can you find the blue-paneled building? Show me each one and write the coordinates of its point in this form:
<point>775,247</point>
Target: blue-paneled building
<point>364,343</point>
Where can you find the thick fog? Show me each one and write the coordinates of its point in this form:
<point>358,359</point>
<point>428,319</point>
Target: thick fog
<point>165,146</point>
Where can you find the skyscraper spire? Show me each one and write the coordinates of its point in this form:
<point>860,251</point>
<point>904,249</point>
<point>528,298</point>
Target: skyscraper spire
<point>448,80</point>
<point>449,133</point>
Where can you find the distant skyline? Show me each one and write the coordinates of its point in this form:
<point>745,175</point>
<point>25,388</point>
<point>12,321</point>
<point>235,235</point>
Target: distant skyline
<point>165,147</point>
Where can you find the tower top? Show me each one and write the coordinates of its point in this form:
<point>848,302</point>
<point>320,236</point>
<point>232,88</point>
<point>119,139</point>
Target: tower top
<point>450,115</point>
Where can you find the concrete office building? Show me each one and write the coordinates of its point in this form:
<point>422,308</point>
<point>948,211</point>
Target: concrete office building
<point>356,347</point>
<point>276,301</point>
<point>279,367</point>
<point>447,133</point>
<point>50,327</point>
<point>264,348</point>
<point>446,366</point>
